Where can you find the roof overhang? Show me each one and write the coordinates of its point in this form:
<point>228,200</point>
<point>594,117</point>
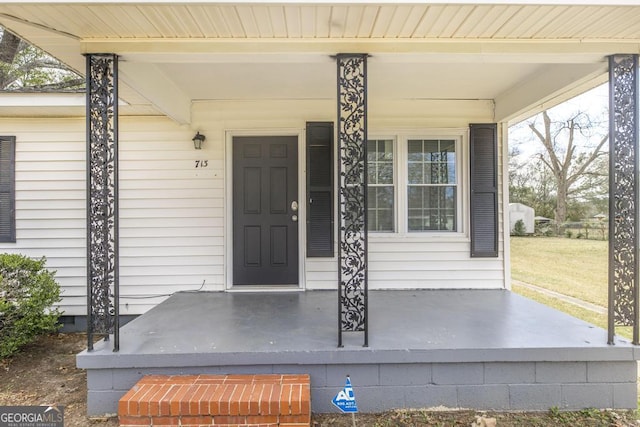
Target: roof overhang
<point>523,57</point>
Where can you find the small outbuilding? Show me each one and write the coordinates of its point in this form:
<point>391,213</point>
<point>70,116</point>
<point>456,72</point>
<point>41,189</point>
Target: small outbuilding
<point>518,211</point>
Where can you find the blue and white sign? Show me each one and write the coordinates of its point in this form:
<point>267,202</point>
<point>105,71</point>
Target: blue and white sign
<point>345,400</point>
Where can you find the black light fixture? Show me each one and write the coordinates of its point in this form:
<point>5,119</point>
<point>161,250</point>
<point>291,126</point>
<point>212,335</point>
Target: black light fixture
<point>198,140</point>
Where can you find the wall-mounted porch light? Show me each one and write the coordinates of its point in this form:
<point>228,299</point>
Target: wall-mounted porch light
<point>198,140</point>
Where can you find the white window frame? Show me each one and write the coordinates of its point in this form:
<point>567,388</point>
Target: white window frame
<point>401,182</point>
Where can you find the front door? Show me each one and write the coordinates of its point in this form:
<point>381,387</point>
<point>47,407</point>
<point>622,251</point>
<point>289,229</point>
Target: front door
<point>265,210</point>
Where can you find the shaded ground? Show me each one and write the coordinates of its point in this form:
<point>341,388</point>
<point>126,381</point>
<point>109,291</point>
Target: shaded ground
<point>45,374</point>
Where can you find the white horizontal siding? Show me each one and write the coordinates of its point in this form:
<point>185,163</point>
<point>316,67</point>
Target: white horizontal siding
<point>407,264</point>
<point>50,200</point>
<point>322,273</point>
<point>172,214</point>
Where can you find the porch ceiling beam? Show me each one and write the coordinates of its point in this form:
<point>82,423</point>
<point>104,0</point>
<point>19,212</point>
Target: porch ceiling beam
<point>210,50</point>
<point>553,82</point>
<point>160,90</point>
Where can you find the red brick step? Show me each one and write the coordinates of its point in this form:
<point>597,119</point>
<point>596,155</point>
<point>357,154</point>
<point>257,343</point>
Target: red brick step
<point>218,400</point>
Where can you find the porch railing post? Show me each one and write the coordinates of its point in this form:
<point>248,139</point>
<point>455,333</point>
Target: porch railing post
<point>102,198</point>
<point>352,195</point>
<point>623,194</point>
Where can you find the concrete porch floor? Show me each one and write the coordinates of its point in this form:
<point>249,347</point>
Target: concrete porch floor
<point>430,348</point>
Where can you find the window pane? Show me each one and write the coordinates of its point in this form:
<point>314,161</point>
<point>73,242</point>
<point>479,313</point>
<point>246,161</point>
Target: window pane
<point>414,195</point>
<point>381,208</point>
<point>431,173</point>
<point>451,172</point>
<point>431,151</point>
<point>372,173</point>
<point>385,173</point>
<point>447,147</point>
<point>431,162</point>
<point>372,150</point>
<point>415,173</point>
<point>415,151</point>
<point>448,151</point>
<point>388,150</point>
<point>384,221</point>
<point>432,207</point>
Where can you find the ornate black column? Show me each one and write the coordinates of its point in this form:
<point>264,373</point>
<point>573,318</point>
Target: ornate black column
<point>352,195</point>
<point>102,198</point>
<point>623,194</point>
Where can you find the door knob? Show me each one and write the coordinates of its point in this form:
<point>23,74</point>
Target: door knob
<point>294,218</point>
<point>294,206</point>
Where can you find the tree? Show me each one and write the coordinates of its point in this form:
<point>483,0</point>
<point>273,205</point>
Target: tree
<point>23,67</point>
<point>530,183</point>
<point>574,167</point>
<point>558,159</point>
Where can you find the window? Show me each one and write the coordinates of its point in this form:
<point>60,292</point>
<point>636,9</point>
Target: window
<point>7,189</point>
<point>431,184</point>
<point>381,193</point>
<point>426,174</point>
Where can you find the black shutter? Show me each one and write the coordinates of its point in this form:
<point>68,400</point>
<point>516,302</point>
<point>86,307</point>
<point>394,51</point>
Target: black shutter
<point>7,189</point>
<point>320,189</point>
<point>484,190</point>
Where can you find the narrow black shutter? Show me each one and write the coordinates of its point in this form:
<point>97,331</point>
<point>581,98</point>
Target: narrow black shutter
<point>7,189</point>
<point>320,189</point>
<point>484,190</point>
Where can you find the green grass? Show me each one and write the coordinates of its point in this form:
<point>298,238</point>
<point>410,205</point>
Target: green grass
<point>574,267</point>
<point>575,311</point>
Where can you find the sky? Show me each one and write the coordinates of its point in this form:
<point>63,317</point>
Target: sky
<point>594,102</point>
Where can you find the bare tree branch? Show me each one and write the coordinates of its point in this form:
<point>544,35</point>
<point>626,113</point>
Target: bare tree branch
<point>566,158</point>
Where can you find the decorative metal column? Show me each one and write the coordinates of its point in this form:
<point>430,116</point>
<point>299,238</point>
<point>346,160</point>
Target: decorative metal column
<point>623,194</point>
<point>352,195</point>
<point>102,198</point>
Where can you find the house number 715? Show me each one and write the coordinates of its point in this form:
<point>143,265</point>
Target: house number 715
<point>202,164</point>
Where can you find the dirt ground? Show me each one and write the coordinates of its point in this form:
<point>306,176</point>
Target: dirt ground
<point>44,373</point>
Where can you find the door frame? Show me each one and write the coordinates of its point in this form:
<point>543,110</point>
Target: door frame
<point>228,211</point>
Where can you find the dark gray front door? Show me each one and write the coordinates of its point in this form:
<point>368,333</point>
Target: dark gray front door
<point>265,227</point>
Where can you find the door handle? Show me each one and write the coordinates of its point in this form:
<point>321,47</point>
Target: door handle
<point>294,218</point>
<point>294,206</point>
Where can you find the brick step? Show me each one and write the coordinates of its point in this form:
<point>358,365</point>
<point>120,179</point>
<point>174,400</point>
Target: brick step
<point>218,400</point>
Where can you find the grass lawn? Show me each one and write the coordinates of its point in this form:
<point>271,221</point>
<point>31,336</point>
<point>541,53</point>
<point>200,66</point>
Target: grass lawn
<point>574,267</point>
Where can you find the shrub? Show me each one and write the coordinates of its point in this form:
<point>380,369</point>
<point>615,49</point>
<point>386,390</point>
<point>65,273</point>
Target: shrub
<point>519,228</point>
<point>27,292</point>
<point>568,234</point>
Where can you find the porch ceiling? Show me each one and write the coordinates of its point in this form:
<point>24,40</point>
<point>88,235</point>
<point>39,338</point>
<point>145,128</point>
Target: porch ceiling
<point>519,55</point>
